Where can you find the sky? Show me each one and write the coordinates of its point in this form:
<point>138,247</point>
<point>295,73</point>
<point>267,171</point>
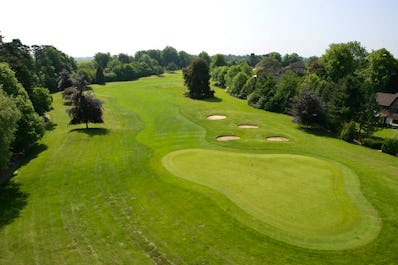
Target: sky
<point>81,28</point>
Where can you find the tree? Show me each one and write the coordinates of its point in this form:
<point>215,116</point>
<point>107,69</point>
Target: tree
<point>308,109</point>
<point>253,60</point>
<point>219,75</point>
<point>99,76</point>
<point>86,108</point>
<point>30,126</point>
<point>19,58</point>
<point>184,59</point>
<point>41,100</point>
<point>383,71</point>
<point>169,55</point>
<point>263,94</point>
<point>197,79</point>
<point>238,83</point>
<point>102,59</point>
<point>123,58</point>
<point>218,60</point>
<point>286,90</point>
<point>49,62</point>
<point>344,59</point>
<point>9,116</point>
<point>64,80</point>
<point>205,56</point>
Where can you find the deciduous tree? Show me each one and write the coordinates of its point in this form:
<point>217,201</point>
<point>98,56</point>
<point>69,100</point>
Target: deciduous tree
<point>197,79</point>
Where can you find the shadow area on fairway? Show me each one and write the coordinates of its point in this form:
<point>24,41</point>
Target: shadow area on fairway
<point>91,131</point>
<point>12,201</point>
<point>20,159</point>
<point>212,100</point>
<point>317,132</point>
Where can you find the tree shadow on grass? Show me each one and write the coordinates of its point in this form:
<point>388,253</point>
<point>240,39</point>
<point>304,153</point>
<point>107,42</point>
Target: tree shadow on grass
<point>212,100</point>
<point>20,159</point>
<point>32,153</point>
<point>12,201</point>
<point>50,126</point>
<point>91,131</point>
<point>317,131</point>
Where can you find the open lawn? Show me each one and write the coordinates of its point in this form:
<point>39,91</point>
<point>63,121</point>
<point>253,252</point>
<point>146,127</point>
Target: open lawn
<point>154,186</point>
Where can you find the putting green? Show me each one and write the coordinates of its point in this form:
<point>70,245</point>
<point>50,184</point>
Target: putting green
<point>297,199</point>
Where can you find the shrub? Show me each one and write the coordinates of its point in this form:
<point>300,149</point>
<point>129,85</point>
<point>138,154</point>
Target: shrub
<point>348,132</point>
<point>372,143</point>
<point>390,146</point>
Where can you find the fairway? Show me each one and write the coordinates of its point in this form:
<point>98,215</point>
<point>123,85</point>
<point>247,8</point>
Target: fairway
<point>305,201</point>
<point>153,185</point>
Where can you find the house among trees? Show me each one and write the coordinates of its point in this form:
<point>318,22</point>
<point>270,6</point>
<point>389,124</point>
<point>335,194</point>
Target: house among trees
<point>388,108</point>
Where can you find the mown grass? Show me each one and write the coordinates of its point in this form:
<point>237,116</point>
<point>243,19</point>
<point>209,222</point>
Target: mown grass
<point>102,196</point>
<point>298,199</point>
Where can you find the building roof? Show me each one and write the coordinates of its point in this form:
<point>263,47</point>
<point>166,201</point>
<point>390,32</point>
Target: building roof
<point>386,99</point>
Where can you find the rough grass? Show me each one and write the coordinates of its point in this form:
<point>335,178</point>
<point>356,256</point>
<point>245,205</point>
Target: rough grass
<point>102,196</point>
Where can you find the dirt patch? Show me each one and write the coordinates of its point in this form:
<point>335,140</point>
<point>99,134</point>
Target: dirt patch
<point>227,138</point>
<point>216,117</point>
<point>248,126</point>
<point>277,139</point>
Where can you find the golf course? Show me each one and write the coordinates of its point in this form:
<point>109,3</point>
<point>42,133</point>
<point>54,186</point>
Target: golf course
<point>171,180</point>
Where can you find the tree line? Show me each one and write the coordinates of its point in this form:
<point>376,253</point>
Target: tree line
<point>335,91</point>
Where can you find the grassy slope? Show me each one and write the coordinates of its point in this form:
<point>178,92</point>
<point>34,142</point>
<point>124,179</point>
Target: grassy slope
<point>102,196</point>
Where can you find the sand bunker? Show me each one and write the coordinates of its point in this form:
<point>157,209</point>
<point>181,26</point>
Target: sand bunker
<point>216,117</point>
<point>248,126</point>
<point>277,139</point>
<point>227,138</point>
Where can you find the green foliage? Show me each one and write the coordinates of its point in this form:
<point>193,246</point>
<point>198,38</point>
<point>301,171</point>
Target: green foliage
<point>86,108</point>
<point>102,59</point>
<point>253,60</point>
<point>9,116</point>
<point>41,100</point>
<point>374,143</point>
<point>344,59</point>
<point>218,60</point>
<point>197,79</point>
<point>383,71</point>
<point>234,70</point>
<point>263,94</point>
<point>30,126</point>
<point>308,109</point>
<point>286,89</point>
<point>65,80</point>
<point>348,132</point>
<point>19,58</point>
<point>238,85</point>
<point>205,56</point>
<point>390,146</point>
<point>99,76</point>
<point>184,59</point>
<point>219,75</point>
<point>169,55</point>
<point>290,59</point>
<point>49,62</point>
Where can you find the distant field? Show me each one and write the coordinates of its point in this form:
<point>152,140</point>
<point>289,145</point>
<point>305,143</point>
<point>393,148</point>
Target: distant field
<point>154,186</point>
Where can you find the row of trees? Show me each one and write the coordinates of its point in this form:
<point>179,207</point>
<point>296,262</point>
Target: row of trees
<point>27,74</point>
<point>336,89</point>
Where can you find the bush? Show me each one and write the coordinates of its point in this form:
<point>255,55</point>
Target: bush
<point>372,143</point>
<point>390,146</point>
<point>348,133</point>
<point>41,100</point>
